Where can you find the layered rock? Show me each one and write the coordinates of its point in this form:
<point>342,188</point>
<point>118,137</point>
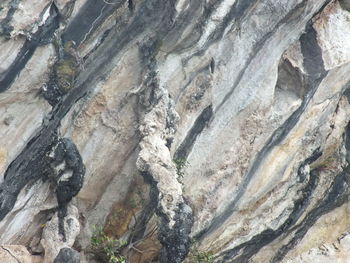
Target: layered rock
<point>217,128</point>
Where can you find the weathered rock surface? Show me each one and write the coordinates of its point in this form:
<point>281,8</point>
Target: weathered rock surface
<point>53,241</point>
<point>180,128</point>
<point>67,255</point>
<point>15,254</point>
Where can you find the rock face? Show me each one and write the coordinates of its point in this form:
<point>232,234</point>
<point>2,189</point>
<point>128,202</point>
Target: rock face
<point>67,255</point>
<point>175,131</point>
<point>15,254</point>
<point>52,240</point>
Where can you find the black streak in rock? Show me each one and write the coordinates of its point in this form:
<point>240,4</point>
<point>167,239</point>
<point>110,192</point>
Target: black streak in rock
<point>313,79</point>
<point>32,163</point>
<point>238,12</point>
<point>175,240</point>
<point>347,142</point>
<point>148,210</point>
<point>5,26</point>
<point>184,18</point>
<point>345,4</point>
<point>67,189</point>
<point>347,92</point>
<point>291,16</point>
<point>251,247</point>
<point>212,66</point>
<point>67,255</point>
<point>131,6</point>
<point>41,37</point>
<point>16,67</point>
<point>337,195</point>
<point>198,126</point>
<point>150,15</point>
<point>89,18</point>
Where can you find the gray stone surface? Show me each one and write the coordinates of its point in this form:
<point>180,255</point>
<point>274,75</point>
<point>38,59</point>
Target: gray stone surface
<point>250,98</point>
<point>67,255</point>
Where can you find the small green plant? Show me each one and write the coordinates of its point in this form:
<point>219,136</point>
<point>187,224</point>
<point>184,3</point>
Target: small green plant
<point>203,257</point>
<point>199,256</point>
<point>107,248</point>
<point>180,164</point>
<point>65,72</point>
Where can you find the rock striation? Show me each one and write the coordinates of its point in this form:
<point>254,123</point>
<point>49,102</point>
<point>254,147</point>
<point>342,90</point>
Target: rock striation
<point>176,131</point>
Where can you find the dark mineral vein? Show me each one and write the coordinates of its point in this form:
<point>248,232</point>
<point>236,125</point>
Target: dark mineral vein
<point>347,142</point>
<point>237,13</point>
<point>198,126</point>
<point>292,16</point>
<point>251,247</point>
<point>337,195</point>
<point>32,163</point>
<point>313,79</point>
<point>89,18</point>
<point>41,37</point>
<point>5,26</point>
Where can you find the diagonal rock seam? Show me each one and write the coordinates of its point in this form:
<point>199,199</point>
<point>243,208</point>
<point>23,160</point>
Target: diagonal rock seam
<point>154,162</point>
<point>10,252</point>
<point>313,80</point>
<point>41,37</point>
<point>157,118</point>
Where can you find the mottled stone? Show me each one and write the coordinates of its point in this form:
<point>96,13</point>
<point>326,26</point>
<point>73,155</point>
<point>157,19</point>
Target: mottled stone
<point>67,255</point>
<point>15,254</point>
<point>52,240</point>
<point>220,124</point>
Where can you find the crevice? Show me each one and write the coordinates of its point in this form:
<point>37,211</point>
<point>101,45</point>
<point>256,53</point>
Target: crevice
<point>100,42</point>
<point>212,66</point>
<point>131,6</point>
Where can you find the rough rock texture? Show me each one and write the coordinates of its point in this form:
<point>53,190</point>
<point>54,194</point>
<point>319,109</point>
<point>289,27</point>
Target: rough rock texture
<point>67,255</point>
<point>16,253</point>
<point>53,241</point>
<point>180,128</point>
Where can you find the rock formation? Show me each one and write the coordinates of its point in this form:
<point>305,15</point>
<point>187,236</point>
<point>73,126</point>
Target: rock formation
<point>175,131</point>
